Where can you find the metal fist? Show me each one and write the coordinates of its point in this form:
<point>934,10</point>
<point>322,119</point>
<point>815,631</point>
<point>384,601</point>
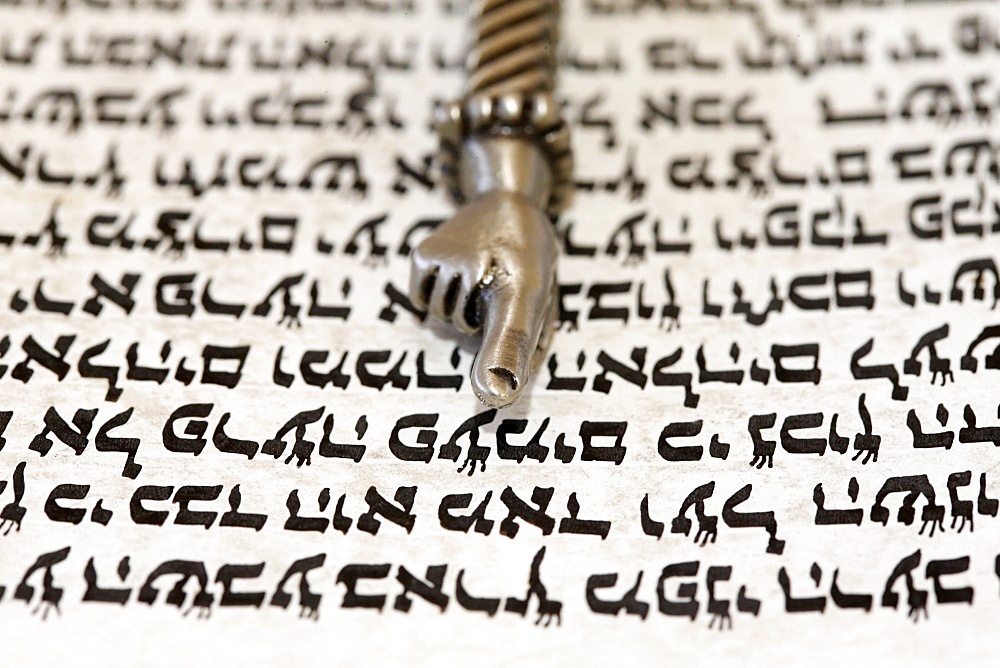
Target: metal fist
<point>491,268</point>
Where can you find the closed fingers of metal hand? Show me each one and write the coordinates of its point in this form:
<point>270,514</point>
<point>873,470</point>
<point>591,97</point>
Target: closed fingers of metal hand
<point>468,317</point>
<point>422,280</point>
<point>444,295</point>
<point>467,314</point>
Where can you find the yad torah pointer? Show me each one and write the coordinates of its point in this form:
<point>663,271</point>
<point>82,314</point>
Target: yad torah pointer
<point>506,161</point>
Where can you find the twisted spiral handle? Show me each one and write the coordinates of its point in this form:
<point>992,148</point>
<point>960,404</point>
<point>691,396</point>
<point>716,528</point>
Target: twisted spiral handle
<point>513,50</point>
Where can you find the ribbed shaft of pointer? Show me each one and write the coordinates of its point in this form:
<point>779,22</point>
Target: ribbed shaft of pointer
<point>514,47</point>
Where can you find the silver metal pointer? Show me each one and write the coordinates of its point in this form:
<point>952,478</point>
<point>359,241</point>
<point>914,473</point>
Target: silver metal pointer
<point>506,160</point>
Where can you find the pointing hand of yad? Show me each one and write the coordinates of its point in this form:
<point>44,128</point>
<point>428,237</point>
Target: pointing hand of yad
<point>492,268</point>
<point>506,160</point>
